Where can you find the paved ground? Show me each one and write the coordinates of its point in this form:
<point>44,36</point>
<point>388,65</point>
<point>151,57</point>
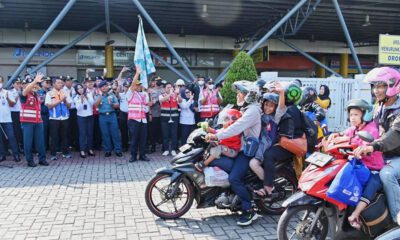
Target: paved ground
<point>97,198</point>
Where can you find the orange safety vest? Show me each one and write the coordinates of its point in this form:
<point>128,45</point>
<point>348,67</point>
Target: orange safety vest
<point>211,107</point>
<point>30,110</point>
<point>136,106</point>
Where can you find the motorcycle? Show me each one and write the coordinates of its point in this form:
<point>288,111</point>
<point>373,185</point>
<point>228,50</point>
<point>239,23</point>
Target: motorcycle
<point>172,191</point>
<point>310,213</point>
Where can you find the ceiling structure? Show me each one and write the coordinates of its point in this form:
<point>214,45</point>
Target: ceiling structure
<point>234,18</point>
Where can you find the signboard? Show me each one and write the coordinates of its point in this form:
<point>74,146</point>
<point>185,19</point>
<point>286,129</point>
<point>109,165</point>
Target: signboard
<point>41,53</point>
<point>260,55</point>
<point>97,58</point>
<point>389,49</point>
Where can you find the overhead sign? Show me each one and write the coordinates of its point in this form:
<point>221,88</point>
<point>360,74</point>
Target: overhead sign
<point>389,49</point>
<point>97,58</point>
<point>260,55</point>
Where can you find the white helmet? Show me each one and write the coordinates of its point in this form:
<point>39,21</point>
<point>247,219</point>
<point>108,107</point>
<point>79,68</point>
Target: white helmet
<point>180,82</point>
<point>249,88</point>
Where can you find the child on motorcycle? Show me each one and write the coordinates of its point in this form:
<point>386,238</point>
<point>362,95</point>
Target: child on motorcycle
<point>229,147</point>
<point>360,117</point>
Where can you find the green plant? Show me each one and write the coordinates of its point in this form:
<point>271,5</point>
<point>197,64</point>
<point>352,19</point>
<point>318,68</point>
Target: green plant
<point>242,68</point>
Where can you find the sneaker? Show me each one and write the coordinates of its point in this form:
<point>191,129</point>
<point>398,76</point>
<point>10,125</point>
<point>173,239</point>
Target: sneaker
<point>173,153</point>
<point>32,164</point>
<point>53,158</point>
<point>165,153</point>
<point>247,218</point>
<point>67,155</point>
<point>43,163</point>
<point>144,158</point>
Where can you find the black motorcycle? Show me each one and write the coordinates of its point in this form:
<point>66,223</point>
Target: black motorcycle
<point>171,192</point>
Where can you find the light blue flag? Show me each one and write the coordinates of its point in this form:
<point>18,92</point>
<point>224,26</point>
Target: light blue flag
<point>142,55</point>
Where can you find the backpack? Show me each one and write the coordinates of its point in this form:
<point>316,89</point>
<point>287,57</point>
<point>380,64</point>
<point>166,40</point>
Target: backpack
<point>311,131</point>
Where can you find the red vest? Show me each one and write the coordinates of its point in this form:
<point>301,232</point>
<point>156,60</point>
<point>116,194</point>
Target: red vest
<point>169,109</point>
<point>210,108</point>
<point>136,106</point>
<point>30,110</point>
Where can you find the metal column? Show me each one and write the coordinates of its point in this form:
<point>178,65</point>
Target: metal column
<point>163,38</point>
<point>159,58</point>
<point>311,58</point>
<point>64,49</point>
<point>44,37</point>
<point>107,16</point>
<point>347,35</point>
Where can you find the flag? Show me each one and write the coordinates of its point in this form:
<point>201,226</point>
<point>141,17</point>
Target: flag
<point>142,55</point>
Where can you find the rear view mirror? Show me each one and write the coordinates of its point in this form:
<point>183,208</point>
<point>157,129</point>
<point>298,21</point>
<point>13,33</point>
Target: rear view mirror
<point>365,136</point>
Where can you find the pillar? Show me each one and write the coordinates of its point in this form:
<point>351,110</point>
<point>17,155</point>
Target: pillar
<point>321,73</point>
<point>109,61</point>
<point>344,64</point>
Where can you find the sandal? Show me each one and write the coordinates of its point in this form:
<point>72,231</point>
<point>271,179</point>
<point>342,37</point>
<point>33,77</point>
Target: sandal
<point>200,166</point>
<point>355,223</point>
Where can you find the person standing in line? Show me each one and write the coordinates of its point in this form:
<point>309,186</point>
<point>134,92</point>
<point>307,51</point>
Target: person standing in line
<point>73,137</point>
<point>123,107</point>
<point>7,131</point>
<point>15,111</point>
<point>84,106</point>
<point>31,122</point>
<point>170,119</point>
<point>155,91</point>
<point>44,110</point>
<point>137,122</point>
<point>209,101</point>
<point>187,119</point>
<point>107,103</point>
<point>58,103</point>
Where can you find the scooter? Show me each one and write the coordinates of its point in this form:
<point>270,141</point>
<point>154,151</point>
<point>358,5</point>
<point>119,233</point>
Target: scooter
<point>310,213</point>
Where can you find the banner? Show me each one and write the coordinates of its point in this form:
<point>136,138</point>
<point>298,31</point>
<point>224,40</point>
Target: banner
<point>142,55</point>
<point>389,49</point>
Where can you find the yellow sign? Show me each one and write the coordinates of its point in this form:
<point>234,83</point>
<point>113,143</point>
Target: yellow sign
<point>389,49</point>
<point>260,55</point>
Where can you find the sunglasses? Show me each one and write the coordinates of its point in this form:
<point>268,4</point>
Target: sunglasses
<point>187,92</point>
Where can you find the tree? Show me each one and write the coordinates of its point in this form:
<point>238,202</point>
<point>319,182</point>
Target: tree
<point>242,68</point>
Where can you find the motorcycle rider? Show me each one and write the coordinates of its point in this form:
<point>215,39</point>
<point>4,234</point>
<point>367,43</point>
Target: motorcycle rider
<point>249,125</point>
<point>385,83</point>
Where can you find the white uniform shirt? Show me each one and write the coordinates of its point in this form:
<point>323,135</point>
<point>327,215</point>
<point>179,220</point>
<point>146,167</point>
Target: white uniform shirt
<point>5,112</point>
<point>123,102</point>
<point>71,94</point>
<point>85,108</point>
<point>14,94</point>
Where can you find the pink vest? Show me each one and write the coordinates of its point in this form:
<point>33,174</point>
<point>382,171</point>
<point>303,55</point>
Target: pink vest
<point>136,106</point>
<point>211,107</point>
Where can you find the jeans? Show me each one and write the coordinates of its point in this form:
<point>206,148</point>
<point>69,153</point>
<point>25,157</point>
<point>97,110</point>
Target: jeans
<point>123,125</point>
<point>373,185</point>
<point>185,132</point>
<point>17,128</point>
<point>390,174</point>
<point>169,133</point>
<point>237,170</point>
<point>138,133</point>
<point>110,132</point>
<point>33,132</point>
<point>9,131</point>
<point>58,131</point>
<point>271,156</point>
<point>85,125</point>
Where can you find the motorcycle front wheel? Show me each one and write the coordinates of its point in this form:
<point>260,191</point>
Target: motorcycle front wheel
<point>169,200</point>
<point>296,222</point>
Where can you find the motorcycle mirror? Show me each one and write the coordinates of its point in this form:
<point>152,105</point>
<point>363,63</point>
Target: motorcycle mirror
<point>365,136</point>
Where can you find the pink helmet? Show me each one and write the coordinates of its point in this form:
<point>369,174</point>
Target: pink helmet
<point>385,75</point>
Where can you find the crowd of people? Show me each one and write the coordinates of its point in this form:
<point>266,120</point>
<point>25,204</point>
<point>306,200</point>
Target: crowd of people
<point>61,114</point>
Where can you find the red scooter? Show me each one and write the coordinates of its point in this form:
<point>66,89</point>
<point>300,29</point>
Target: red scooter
<point>310,213</point>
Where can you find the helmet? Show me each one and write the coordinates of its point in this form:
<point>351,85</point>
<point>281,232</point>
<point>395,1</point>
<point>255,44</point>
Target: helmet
<point>180,82</point>
<point>271,97</point>
<point>231,116</point>
<point>260,83</point>
<point>309,95</point>
<point>386,75</point>
<point>293,93</point>
<point>249,88</point>
<point>362,105</point>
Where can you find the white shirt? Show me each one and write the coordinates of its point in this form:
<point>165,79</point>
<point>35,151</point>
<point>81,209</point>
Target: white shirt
<point>129,95</point>
<point>186,116</point>
<point>71,93</point>
<point>14,94</point>
<point>48,100</point>
<point>81,110</point>
<point>5,112</point>
<point>123,101</point>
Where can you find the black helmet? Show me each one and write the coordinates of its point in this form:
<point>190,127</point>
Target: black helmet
<point>363,106</point>
<point>309,95</point>
<point>271,97</point>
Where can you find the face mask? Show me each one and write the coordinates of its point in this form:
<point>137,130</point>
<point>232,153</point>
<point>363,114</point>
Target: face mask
<point>211,86</point>
<point>201,83</point>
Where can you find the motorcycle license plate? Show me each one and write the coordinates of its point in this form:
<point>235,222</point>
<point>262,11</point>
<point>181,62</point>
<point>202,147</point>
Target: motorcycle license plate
<point>184,148</point>
<point>319,159</point>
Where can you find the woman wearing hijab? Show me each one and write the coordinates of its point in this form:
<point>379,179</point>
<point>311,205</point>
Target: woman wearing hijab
<point>187,119</point>
<point>323,98</point>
